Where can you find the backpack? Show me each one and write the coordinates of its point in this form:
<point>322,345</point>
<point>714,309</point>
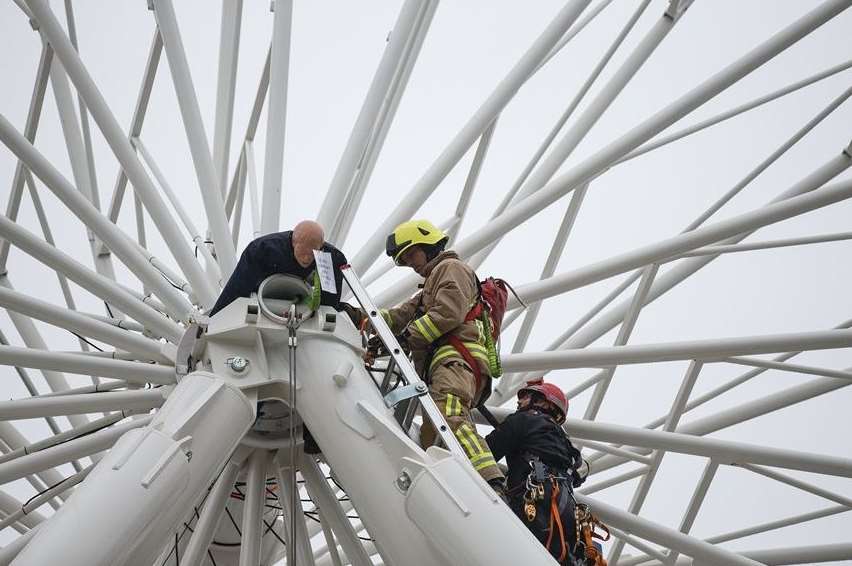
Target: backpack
<point>492,298</point>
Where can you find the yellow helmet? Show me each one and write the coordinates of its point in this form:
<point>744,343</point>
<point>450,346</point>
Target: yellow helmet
<point>412,233</point>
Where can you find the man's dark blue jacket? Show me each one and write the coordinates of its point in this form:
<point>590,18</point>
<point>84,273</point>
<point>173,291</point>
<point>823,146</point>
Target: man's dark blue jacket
<point>272,254</point>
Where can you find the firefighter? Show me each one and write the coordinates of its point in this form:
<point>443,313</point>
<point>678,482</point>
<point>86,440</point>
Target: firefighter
<point>543,467</point>
<point>427,321</point>
<point>290,253</point>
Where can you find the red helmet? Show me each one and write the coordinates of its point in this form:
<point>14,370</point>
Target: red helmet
<point>549,391</point>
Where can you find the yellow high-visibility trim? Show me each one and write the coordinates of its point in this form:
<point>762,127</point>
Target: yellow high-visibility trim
<point>483,461</point>
<point>464,442</point>
<point>453,406</point>
<point>476,446</point>
<point>427,320</point>
<point>424,332</point>
<point>476,351</point>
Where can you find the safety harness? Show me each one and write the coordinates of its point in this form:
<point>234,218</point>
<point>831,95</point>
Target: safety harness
<point>585,524</point>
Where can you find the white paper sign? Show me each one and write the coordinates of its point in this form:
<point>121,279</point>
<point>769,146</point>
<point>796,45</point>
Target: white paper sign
<point>325,269</point>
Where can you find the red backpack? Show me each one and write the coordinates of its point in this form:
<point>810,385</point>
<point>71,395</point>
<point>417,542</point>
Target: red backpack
<point>493,297</point>
<point>489,308</point>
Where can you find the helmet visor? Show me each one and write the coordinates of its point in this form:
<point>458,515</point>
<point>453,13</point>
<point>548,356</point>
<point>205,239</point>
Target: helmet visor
<point>394,249</point>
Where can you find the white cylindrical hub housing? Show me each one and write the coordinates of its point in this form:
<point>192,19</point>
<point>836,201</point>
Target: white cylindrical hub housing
<point>138,494</point>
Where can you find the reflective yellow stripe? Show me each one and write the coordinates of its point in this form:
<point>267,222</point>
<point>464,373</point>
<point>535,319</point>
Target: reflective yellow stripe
<point>453,406</point>
<point>476,446</point>
<point>422,330</point>
<point>476,351</point>
<point>483,461</point>
<point>431,326</point>
<point>474,438</point>
<point>464,442</point>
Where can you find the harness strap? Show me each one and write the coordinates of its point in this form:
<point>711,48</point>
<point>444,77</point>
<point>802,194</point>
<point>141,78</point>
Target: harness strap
<point>555,517</point>
<point>468,357</point>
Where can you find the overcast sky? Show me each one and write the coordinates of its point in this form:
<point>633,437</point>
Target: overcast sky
<point>470,47</point>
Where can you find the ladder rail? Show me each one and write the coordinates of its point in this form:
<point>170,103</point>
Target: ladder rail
<point>399,359</point>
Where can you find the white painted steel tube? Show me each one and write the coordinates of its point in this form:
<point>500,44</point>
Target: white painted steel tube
<point>30,128</point>
<point>364,124</point>
<point>605,157</point>
<point>160,472</point>
<point>14,515</point>
<point>744,412</point>
<point>607,95</point>
<point>112,236</point>
<point>82,324</point>
<point>723,451</point>
<point>670,538</point>
<point>211,513</point>
<point>120,145</point>
<point>255,497</point>
<point>686,241</point>
<point>27,512</point>
<point>781,523</point>
<point>276,119</point>
<point>199,147</point>
<point>477,124</point>
<point>21,448</point>
<point>326,500</point>
<point>11,550</point>
<point>12,437</point>
<point>33,340</point>
<point>139,112</point>
<point>750,105</point>
<point>95,283</point>
<point>71,450</point>
<point>680,272</point>
<point>86,365</point>
<point>841,552</point>
<point>80,404</point>
<point>688,350</point>
<point>377,140</point>
<point>229,49</point>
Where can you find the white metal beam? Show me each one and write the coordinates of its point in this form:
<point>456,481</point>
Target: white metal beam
<point>276,116</point>
<point>199,147</point>
<point>120,145</point>
<point>477,124</point>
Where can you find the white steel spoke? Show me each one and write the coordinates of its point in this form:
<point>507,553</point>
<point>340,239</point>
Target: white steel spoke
<point>471,131</point>
<point>211,194</point>
<point>384,121</point>
<point>33,117</point>
<point>273,163</point>
<point>120,145</point>
<point>531,179</point>
<point>364,127</point>
<point>229,49</point>
<point>196,406</point>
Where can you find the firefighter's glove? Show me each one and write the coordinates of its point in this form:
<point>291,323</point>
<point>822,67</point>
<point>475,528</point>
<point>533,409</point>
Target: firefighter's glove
<point>375,349</point>
<point>355,314</point>
<point>403,341</point>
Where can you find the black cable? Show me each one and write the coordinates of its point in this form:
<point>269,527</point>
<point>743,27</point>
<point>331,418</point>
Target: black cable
<point>233,522</point>
<point>210,554</point>
<point>45,490</point>
<point>95,346</point>
<point>177,554</point>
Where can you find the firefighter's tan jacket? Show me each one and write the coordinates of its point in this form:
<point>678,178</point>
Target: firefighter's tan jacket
<point>439,310</point>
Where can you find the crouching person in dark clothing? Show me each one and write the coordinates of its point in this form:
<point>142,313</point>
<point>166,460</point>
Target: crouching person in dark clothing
<point>543,467</point>
<point>288,253</point>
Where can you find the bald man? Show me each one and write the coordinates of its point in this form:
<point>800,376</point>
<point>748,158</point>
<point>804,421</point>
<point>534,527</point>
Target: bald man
<point>290,253</point>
